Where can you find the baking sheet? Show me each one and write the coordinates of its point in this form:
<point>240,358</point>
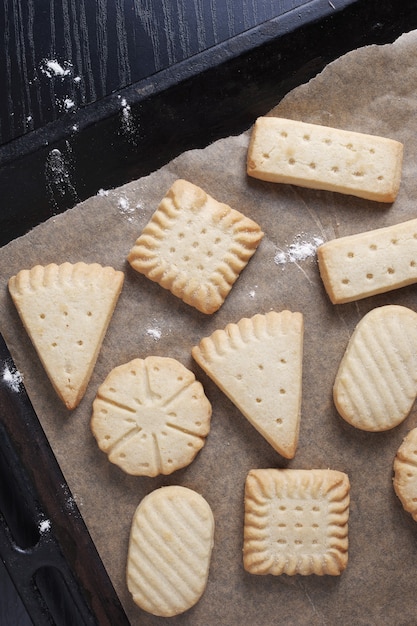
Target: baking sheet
<point>372,90</point>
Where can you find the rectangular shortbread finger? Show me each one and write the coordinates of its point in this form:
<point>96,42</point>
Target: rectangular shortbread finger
<point>320,157</point>
<point>368,263</point>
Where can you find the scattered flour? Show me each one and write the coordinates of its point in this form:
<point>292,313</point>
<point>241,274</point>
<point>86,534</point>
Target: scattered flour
<point>52,68</point>
<point>299,250</point>
<point>68,104</point>
<point>44,526</point>
<point>102,192</point>
<point>128,126</point>
<point>125,209</point>
<point>155,333</point>
<point>12,377</point>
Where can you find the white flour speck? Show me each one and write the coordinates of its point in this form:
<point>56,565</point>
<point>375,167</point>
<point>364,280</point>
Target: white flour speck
<point>299,250</point>
<point>44,526</point>
<point>155,333</point>
<point>102,192</point>
<point>128,126</point>
<point>12,377</point>
<point>124,204</point>
<point>68,104</point>
<point>51,68</point>
<point>125,209</point>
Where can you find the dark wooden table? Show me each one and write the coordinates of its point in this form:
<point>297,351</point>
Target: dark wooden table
<point>74,73</point>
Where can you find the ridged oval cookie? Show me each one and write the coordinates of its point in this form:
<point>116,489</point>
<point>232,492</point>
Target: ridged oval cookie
<point>151,416</point>
<point>405,473</point>
<point>376,383</point>
<point>171,541</point>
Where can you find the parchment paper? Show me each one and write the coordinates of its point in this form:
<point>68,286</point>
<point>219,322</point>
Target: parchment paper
<point>372,90</point>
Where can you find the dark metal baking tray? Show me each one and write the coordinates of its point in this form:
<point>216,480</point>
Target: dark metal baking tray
<point>216,93</point>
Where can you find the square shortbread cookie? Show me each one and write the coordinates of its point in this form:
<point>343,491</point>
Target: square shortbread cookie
<point>296,522</point>
<point>195,246</point>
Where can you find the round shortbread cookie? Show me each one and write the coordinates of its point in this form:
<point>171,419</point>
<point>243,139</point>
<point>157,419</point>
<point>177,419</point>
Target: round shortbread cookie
<point>405,473</point>
<point>151,416</point>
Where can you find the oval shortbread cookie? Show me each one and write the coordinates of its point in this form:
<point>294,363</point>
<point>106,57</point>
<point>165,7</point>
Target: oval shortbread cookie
<point>376,383</point>
<point>296,522</point>
<point>151,416</point>
<point>169,553</point>
<point>405,473</point>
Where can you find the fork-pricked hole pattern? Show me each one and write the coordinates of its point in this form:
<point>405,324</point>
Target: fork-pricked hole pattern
<point>151,416</point>
<point>195,246</point>
<point>368,263</point>
<point>296,522</point>
<point>332,159</point>
<point>257,363</point>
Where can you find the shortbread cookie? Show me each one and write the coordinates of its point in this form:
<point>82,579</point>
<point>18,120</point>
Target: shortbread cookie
<point>319,157</point>
<point>257,363</point>
<point>376,383</point>
<point>195,246</point>
<point>151,416</point>
<point>296,522</point>
<point>368,263</point>
<point>405,473</point>
<point>171,541</point>
<point>66,310</point>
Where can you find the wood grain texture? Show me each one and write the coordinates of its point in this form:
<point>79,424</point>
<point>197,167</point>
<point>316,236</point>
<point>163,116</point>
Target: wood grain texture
<point>100,47</point>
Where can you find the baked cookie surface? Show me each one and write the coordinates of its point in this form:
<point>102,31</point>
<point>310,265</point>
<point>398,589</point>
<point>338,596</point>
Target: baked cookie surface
<point>66,310</point>
<point>151,416</point>
<point>169,551</point>
<point>296,522</point>
<point>195,246</point>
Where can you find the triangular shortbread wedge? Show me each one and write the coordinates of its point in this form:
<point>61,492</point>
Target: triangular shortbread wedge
<point>257,363</point>
<point>66,310</point>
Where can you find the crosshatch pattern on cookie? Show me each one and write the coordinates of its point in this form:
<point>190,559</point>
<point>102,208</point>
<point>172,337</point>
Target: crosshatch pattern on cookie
<point>151,416</point>
<point>362,265</point>
<point>296,522</point>
<point>376,383</point>
<point>320,157</point>
<point>257,363</point>
<point>195,246</point>
<point>405,473</point>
